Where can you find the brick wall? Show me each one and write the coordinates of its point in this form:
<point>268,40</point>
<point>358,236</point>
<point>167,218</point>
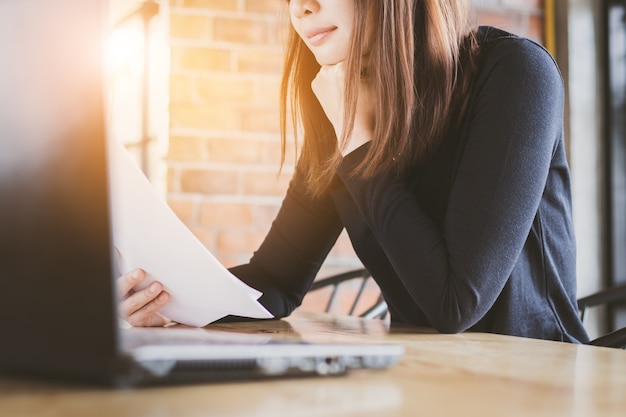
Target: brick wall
<point>226,57</point>
<point>224,143</point>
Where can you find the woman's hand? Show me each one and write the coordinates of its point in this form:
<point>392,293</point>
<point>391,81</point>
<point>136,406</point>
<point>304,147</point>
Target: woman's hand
<point>329,88</point>
<point>139,307</point>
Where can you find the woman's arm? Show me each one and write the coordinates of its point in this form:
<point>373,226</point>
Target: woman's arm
<point>455,274</point>
<point>292,253</point>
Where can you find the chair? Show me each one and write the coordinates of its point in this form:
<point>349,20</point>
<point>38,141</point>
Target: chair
<point>610,296</point>
<point>346,280</point>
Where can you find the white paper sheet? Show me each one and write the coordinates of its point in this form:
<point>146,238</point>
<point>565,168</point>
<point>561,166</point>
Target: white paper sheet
<point>149,235</point>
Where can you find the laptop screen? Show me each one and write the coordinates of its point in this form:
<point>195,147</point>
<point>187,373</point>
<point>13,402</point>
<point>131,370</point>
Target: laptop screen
<point>54,228</point>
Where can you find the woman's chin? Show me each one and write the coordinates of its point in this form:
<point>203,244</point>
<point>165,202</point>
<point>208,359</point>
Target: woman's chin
<point>329,60</point>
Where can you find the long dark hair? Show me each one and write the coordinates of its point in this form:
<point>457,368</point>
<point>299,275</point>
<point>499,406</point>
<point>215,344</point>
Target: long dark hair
<point>420,85</point>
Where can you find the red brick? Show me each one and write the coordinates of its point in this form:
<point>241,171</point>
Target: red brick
<point>220,87</point>
<point>230,5</point>
<point>238,243</point>
<point>205,236</point>
<point>209,182</point>
<point>231,260</point>
<point>266,184</point>
<point>230,150</point>
<point>271,154</point>
<point>186,148</point>
<point>184,209</point>
<point>265,215</point>
<point>316,300</point>
<point>190,27</point>
<point>343,247</point>
<point>205,117</point>
<point>267,90</point>
<point>226,215</point>
<point>256,61</point>
<point>260,120</point>
<point>274,7</point>
<point>173,180</point>
<point>279,32</point>
<point>203,59</point>
<point>182,88</point>
<point>246,31</point>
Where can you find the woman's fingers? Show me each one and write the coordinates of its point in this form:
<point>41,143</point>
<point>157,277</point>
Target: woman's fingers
<point>329,88</point>
<point>148,315</point>
<point>127,282</point>
<point>140,308</point>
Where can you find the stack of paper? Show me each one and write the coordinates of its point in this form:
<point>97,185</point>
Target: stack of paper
<point>149,235</point>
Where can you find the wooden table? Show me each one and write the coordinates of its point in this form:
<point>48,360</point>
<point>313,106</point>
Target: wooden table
<point>470,374</point>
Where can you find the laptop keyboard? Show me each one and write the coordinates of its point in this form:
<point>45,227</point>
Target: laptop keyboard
<point>135,337</point>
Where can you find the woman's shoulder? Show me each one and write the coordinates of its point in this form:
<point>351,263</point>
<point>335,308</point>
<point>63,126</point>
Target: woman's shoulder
<point>487,34</point>
<point>491,36</point>
<point>499,48</point>
<point>494,41</point>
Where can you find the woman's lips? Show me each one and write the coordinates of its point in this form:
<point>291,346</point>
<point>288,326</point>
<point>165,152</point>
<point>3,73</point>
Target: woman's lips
<point>317,36</point>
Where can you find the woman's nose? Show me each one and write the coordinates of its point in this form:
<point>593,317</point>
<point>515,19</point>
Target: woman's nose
<point>301,8</point>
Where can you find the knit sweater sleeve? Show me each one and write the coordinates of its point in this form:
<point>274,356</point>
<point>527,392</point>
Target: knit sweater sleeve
<point>455,273</point>
<point>302,234</point>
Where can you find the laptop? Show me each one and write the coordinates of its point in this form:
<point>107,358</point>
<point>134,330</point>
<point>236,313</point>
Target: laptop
<point>57,294</point>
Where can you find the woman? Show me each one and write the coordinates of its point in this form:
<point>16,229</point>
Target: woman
<point>442,155</point>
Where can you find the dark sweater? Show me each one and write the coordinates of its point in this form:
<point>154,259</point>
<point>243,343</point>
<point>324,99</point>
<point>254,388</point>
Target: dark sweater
<point>480,237</point>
